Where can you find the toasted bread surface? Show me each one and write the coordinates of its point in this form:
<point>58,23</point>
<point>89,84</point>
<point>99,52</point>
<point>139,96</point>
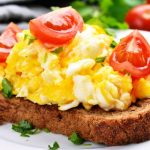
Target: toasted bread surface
<point>96,125</point>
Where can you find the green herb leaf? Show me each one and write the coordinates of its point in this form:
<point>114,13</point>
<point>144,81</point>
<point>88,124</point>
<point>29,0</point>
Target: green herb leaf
<point>6,88</point>
<point>54,147</point>
<point>76,139</point>
<point>45,57</point>
<point>100,59</point>
<point>29,38</point>
<point>58,50</point>
<point>25,128</point>
<point>113,44</point>
<point>46,130</point>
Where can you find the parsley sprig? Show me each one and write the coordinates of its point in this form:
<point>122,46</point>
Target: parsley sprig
<point>29,38</point>
<point>100,59</point>
<point>6,88</point>
<point>58,50</point>
<point>76,139</point>
<point>113,44</point>
<point>54,147</point>
<point>25,128</point>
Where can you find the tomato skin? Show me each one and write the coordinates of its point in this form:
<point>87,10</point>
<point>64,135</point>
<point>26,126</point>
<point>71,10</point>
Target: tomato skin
<point>132,55</point>
<point>8,37</point>
<point>58,27</point>
<point>148,1</point>
<point>139,17</point>
<point>136,72</point>
<point>8,40</point>
<point>4,52</point>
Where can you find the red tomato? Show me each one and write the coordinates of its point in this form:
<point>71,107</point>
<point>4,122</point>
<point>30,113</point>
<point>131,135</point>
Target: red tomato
<point>132,55</point>
<point>58,27</point>
<point>148,1</point>
<point>7,40</point>
<point>4,52</point>
<point>139,17</point>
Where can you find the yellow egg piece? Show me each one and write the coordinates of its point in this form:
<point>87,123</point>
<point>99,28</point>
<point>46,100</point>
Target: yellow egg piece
<point>141,88</point>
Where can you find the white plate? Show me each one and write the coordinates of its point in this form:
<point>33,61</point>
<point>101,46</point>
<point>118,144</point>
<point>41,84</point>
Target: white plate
<point>10,140</point>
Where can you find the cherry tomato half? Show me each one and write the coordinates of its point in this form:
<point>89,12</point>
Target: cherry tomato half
<point>58,27</point>
<point>132,55</point>
<point>8,40</point>
<point>139,17</point>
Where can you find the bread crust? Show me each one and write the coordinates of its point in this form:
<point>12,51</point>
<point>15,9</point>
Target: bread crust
<point>96,125</point>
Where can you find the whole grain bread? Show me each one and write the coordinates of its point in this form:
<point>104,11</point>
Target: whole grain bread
<point>96,125</point>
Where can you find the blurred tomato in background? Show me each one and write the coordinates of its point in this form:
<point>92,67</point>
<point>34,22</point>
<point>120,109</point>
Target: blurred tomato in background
<point>139,17</point>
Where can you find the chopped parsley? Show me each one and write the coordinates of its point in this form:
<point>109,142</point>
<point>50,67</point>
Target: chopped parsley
<point>54,147</point>
<point>6,88</point>
<point>46,130</point>
<point>45,57</point>
<point>113,44</point>
<point>25,128</point>
<point>100,59</point>
<point>128,74</point>
<point>29,38</point>
<point>76,139</point>
<point>58,50</point>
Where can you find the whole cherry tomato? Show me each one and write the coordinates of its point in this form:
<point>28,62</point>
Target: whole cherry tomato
<point>139,17</point>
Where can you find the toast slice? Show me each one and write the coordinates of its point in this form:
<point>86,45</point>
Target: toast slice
<point>96,125</point>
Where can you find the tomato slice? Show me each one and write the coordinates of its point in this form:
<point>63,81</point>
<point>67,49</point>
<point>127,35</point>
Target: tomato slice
<point>8,40</point>
<point>4,52</point>
<point>132,55</point>
<point>58,27</point>
<point>8,37</point>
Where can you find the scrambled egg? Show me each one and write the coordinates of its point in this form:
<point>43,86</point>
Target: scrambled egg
<point>70,77</point>
<point>142,87</point>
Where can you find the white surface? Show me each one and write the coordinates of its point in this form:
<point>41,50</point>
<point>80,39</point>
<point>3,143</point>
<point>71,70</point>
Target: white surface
<point>10,140</point>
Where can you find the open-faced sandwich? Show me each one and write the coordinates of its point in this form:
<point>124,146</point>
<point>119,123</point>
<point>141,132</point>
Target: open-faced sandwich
<point>70,77</point>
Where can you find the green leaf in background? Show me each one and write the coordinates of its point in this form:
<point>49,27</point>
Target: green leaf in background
<point>86,11</point>
<point>106,13</point>
<point>111,22</point>
<point>118,8</point>
<point>95,21</point>
<point>104,5</point>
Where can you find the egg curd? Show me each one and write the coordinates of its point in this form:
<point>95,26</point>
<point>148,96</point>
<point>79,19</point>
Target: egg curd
<point>70,75</point>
